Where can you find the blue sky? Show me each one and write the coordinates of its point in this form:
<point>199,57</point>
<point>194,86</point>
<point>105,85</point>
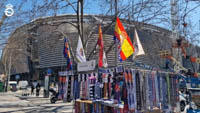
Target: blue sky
<point>94,7</point>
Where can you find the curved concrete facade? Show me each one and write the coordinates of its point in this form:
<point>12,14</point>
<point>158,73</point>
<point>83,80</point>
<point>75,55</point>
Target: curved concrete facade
<point>42,45</point>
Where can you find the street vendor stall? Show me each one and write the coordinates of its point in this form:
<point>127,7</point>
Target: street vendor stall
<point>127,90</point>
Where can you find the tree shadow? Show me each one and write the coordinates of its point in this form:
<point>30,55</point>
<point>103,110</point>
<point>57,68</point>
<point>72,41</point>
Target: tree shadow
<point>42,109</point>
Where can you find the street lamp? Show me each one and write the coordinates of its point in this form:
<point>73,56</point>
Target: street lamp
<point>10,64</point>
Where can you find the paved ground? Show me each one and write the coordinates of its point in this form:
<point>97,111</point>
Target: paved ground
<point>15,103</point>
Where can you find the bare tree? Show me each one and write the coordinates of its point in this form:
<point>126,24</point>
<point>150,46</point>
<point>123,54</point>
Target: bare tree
<point>138,12</point>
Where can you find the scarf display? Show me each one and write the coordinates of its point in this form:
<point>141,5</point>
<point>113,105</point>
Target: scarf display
<point>120,90</point>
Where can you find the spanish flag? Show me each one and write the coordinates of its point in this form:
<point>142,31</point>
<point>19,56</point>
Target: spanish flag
<point>126,48</point>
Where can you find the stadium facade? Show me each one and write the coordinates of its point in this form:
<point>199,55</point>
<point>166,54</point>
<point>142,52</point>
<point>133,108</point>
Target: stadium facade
<point>38,46</point>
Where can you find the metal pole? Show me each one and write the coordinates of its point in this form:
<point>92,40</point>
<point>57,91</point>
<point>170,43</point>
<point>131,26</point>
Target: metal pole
<point>116,49</point>
<point>78,18</point>
<point>82,35</point>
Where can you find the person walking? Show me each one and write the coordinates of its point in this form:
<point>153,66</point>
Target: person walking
<point>32,89</point>
<point>38,89</point>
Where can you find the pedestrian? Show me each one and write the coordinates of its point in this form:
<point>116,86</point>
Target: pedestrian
<point>38,89</point>
<point>32,89</point>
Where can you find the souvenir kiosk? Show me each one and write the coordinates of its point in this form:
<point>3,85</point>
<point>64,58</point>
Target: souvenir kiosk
<point>65,89</point>
<point>124,90</point>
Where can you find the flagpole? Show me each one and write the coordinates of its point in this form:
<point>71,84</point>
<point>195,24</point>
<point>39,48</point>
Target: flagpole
<point>116,49</point>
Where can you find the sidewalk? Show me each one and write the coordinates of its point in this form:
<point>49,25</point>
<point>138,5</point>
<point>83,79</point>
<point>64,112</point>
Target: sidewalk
<point>14,102</point>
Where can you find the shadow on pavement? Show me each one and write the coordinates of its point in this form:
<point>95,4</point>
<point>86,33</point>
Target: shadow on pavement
<point>49,109</point>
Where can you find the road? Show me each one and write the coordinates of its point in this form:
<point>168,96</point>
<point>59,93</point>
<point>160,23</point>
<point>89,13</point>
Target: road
<point>13,102</point>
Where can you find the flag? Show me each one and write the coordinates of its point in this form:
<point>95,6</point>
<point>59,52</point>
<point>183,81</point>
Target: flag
<point>126,47</point>
<point>138,46</point>
<point>102,55</point>
<point>118,47</point>
<point>67,54</point>
<point>80,55</point>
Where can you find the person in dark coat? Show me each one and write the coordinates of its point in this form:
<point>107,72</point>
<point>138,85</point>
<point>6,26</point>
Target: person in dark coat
<point>38,89</point>
<point>32,89</point>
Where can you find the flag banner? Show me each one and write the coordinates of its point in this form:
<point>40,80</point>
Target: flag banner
<point>80,55</point>
<point>126,47</point>
<point>102,54</point>
<point>118,47</point>
<point>138,46</point>
<point>67,54</point>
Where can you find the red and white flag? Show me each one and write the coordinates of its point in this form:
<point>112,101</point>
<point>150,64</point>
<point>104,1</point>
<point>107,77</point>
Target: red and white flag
<point>102,55</point>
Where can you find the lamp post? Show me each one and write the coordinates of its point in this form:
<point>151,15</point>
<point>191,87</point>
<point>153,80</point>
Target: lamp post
<point>9,69</point>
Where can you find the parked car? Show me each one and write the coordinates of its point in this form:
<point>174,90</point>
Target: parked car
<point>22,85</point>
<point>13,85</point>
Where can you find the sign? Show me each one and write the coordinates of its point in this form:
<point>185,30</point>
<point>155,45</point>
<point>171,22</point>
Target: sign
<point>108,71</point>
<point>9,10</point>
<point>66,73</point>
<point>17,77</point>
<point>141,65</point>
<point>46,83</point>
<point>86,66</point>
<point>49,72</point>
<point>119,69</point>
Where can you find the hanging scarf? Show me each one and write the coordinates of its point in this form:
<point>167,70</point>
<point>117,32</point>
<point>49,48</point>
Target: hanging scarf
<point>161,90</point>
<point>144,91</point>
<point>141,73</point>
<point>165,93</point>
<point>138,91</point>
<point>125,97</point>
<point>168,88</point>
<point>77,107</point>
<point>129,87</point>
<point>154,89</point>
<point>79,88</point>
<point>157,90</point>
<point>171,89</point>
<point>102,108</point>
<point>88,87</point>
<point>85,87</point>
<point>82,86</point>
<point>147,90</point>
<point>151,91</point>
<point>76,89</point>
<point>133,91</point>
<point>83,107</point>
<point>65,90</point>
<point>69,87</point>
<point>97,107</point>
<point>109,86</point>
<point>105,86</point>
<point>72,87</point>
